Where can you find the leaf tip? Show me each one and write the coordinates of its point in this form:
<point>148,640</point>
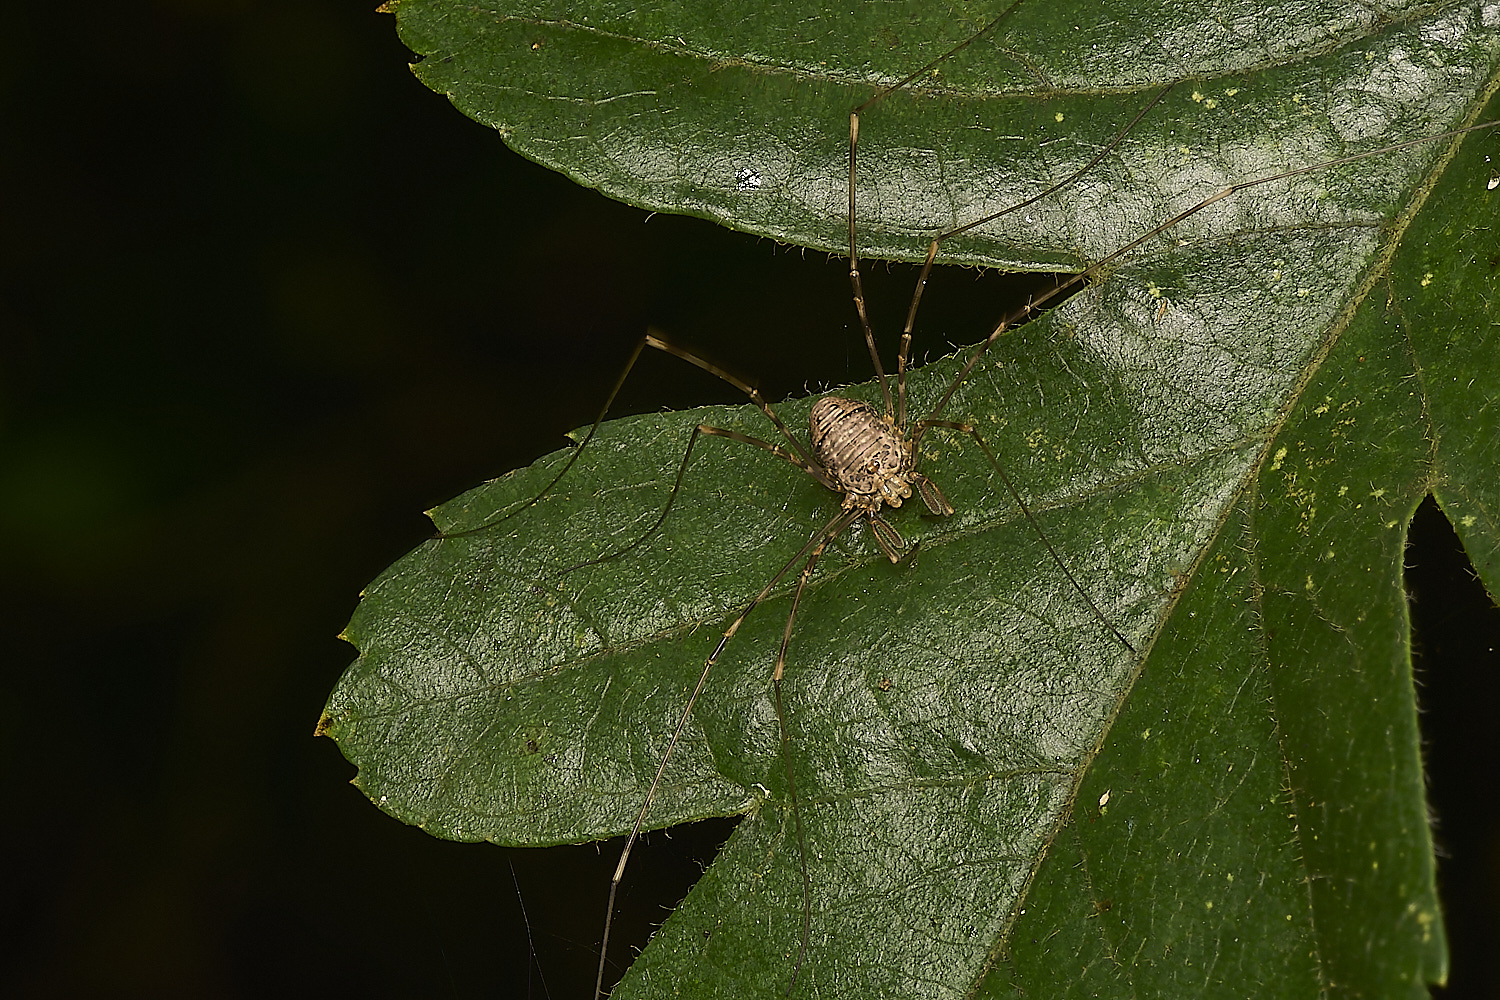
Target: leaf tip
<point>324,726</point>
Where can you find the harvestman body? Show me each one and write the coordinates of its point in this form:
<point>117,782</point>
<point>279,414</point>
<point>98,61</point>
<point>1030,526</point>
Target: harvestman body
<point>869,456</point>
<point>871,464</point>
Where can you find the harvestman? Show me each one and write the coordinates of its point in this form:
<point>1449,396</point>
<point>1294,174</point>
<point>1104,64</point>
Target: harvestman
<point>869,457</point>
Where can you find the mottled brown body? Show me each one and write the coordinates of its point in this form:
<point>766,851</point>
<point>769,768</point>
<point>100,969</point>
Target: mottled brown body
<point>871,463</point>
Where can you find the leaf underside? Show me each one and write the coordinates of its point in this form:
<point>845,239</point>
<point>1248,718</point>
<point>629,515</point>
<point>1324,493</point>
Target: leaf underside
<point>1225,440</point>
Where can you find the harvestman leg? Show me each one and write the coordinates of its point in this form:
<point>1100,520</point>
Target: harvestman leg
<point>811,552</point>
<point>1016,496</point>
<point>904,352</point>
<point>1079,279</point>
<point>801,459</point>
<point>1033,306</point>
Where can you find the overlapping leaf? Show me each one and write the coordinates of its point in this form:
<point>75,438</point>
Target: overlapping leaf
<point>1224,439</point>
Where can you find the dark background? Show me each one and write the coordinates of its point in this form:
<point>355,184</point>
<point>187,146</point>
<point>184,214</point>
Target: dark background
<point>264,299</point>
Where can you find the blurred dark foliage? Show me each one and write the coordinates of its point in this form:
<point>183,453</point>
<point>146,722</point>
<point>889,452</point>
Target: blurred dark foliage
<point>264,299</point>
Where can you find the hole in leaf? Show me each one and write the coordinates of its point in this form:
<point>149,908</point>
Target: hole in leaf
<point>1456,647</point>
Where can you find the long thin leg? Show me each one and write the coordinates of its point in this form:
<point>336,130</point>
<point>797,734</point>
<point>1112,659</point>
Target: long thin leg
<point>907,80</point>
<point>745,387</point>
<point>1032,307</point>
<point>911,316</point>
<point>1016,496</point>
<point>813,470</point>
<point>834,529</point>
<point>916,298</point>
<point>603,411</point>
<point>802,459</point>
<point>855,282</point>
<point>815,544</point>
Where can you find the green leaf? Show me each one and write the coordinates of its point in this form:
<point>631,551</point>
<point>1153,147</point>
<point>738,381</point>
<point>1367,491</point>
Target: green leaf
<point>1225,440</point>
